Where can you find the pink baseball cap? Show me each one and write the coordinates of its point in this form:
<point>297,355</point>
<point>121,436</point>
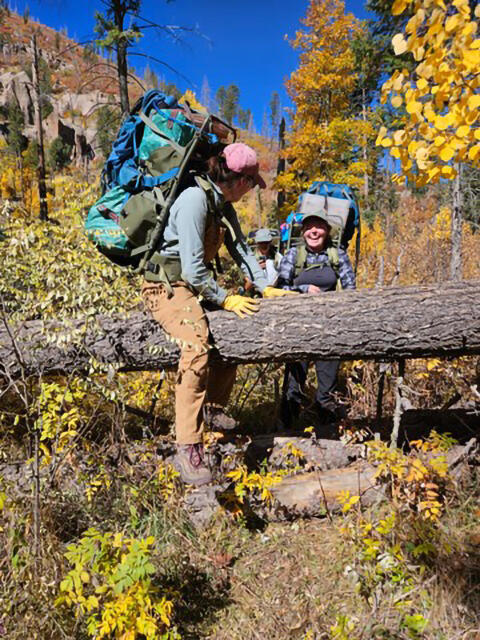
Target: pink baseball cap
<point>242,159</point>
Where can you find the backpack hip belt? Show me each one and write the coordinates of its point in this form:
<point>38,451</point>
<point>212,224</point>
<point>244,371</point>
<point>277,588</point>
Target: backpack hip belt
<point>164,269</point>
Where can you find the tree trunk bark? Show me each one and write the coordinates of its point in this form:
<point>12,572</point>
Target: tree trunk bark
<point>122,64</point>
<point>365,152</point>
<point>281,160</point>
<point>379,324</point>
<point>42,189</point>
<point>456,229</point>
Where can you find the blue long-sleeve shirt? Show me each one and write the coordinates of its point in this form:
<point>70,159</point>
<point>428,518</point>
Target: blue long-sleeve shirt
<point>184,238</point>
<point>286,271</point>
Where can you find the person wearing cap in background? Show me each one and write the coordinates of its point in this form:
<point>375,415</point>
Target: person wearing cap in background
<point>314,266</point>
<point>181,287</point>
<point>267,257</point>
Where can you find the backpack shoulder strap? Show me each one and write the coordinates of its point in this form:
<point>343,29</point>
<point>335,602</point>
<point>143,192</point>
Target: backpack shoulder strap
<point>301,259</point>
<point>332,253</point>
<point>205,185</point>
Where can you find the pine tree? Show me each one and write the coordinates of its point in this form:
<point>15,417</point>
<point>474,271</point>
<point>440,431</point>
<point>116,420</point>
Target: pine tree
<point>108,122</point>
<point>113,34</point>
<point>275,112</point>
<point>220,97</point>
<point>230,105</point>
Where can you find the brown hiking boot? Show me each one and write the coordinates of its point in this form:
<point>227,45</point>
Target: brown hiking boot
<point>216,418</point>
<point>190,463</point>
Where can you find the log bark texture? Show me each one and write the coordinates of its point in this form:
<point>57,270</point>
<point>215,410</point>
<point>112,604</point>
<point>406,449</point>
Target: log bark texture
<point>383,324</point>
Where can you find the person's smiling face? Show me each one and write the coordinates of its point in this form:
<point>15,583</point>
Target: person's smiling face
<point>315,232</point>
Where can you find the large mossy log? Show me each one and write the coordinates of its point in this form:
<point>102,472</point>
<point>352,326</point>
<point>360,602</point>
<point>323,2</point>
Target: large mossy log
<point>381,324</point>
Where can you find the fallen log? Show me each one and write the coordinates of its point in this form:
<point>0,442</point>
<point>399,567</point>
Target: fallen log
<point>315,493</point>
<point>381,324</point>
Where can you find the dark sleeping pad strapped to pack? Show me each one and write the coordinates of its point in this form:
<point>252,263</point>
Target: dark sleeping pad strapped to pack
<point>323,275</point>
<point>157,146</point>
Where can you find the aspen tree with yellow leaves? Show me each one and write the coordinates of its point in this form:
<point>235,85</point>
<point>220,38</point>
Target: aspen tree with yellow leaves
<point>440,97</point>
<point>323,142</point>
<point>441,94</point>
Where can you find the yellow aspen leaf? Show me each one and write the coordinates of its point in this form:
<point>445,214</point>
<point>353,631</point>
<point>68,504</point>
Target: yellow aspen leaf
<point>412,147</point>
<point>433,173</point>
<point>477,11</point>
<point>451,22</point>
<point>381,134</point>
<point>440,123</point>
<point>395,152</point>
<point>473,152</point>
<point>448,171</point>
<point>450,118</point>
<point>474,102</point>
<point>422,84</point>
<point>399,137</point>
<point>421,153</point>
<point>440,99</point>
<point>399,44</point>
<point>418,53</point>
<point>386,142</point>
<point>398,82</point>
<point>398,7</point>
<point>425,70</point>
<point>477,134</point>
<point>396,102</point>
<point>414,107</point>
<point>471,116</point>
<point>462,6</point>
<point>447,153</point>
<point>468,30</point>
<point>471,58</point>
<point>439,140</point>
<point>463,131</point>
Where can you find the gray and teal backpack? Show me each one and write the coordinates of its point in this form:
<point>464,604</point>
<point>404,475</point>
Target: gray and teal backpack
<point>154,157</point>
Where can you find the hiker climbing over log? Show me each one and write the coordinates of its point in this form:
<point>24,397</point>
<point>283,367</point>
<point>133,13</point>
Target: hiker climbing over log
<point>182,287</point>
<point>316,265</point>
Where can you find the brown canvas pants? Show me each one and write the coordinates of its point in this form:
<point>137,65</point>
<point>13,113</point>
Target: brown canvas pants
<point>183,318</point>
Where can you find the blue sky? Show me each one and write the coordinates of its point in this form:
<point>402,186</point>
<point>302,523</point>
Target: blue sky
<point>244,40</point>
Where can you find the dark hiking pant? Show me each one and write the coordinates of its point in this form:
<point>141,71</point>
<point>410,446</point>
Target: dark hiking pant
<point>294,389</point>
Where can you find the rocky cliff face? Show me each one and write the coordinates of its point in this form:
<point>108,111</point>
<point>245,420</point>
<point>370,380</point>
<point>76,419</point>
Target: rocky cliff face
<point>77,89</point>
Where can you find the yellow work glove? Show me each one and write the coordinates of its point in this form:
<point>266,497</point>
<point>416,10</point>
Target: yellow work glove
<point>273,292</point>
<point>240,305</point>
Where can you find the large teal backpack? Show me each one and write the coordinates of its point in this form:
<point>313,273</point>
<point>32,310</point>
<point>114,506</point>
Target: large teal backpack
<point>156,146</point>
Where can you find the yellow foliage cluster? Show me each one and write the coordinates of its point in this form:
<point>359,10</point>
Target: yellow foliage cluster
<point>111,583</point>
<point>414,246</point>
<point>323,133</point>
<point>417,480</point>
<point>190,97</point>
<point>441,95</point>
